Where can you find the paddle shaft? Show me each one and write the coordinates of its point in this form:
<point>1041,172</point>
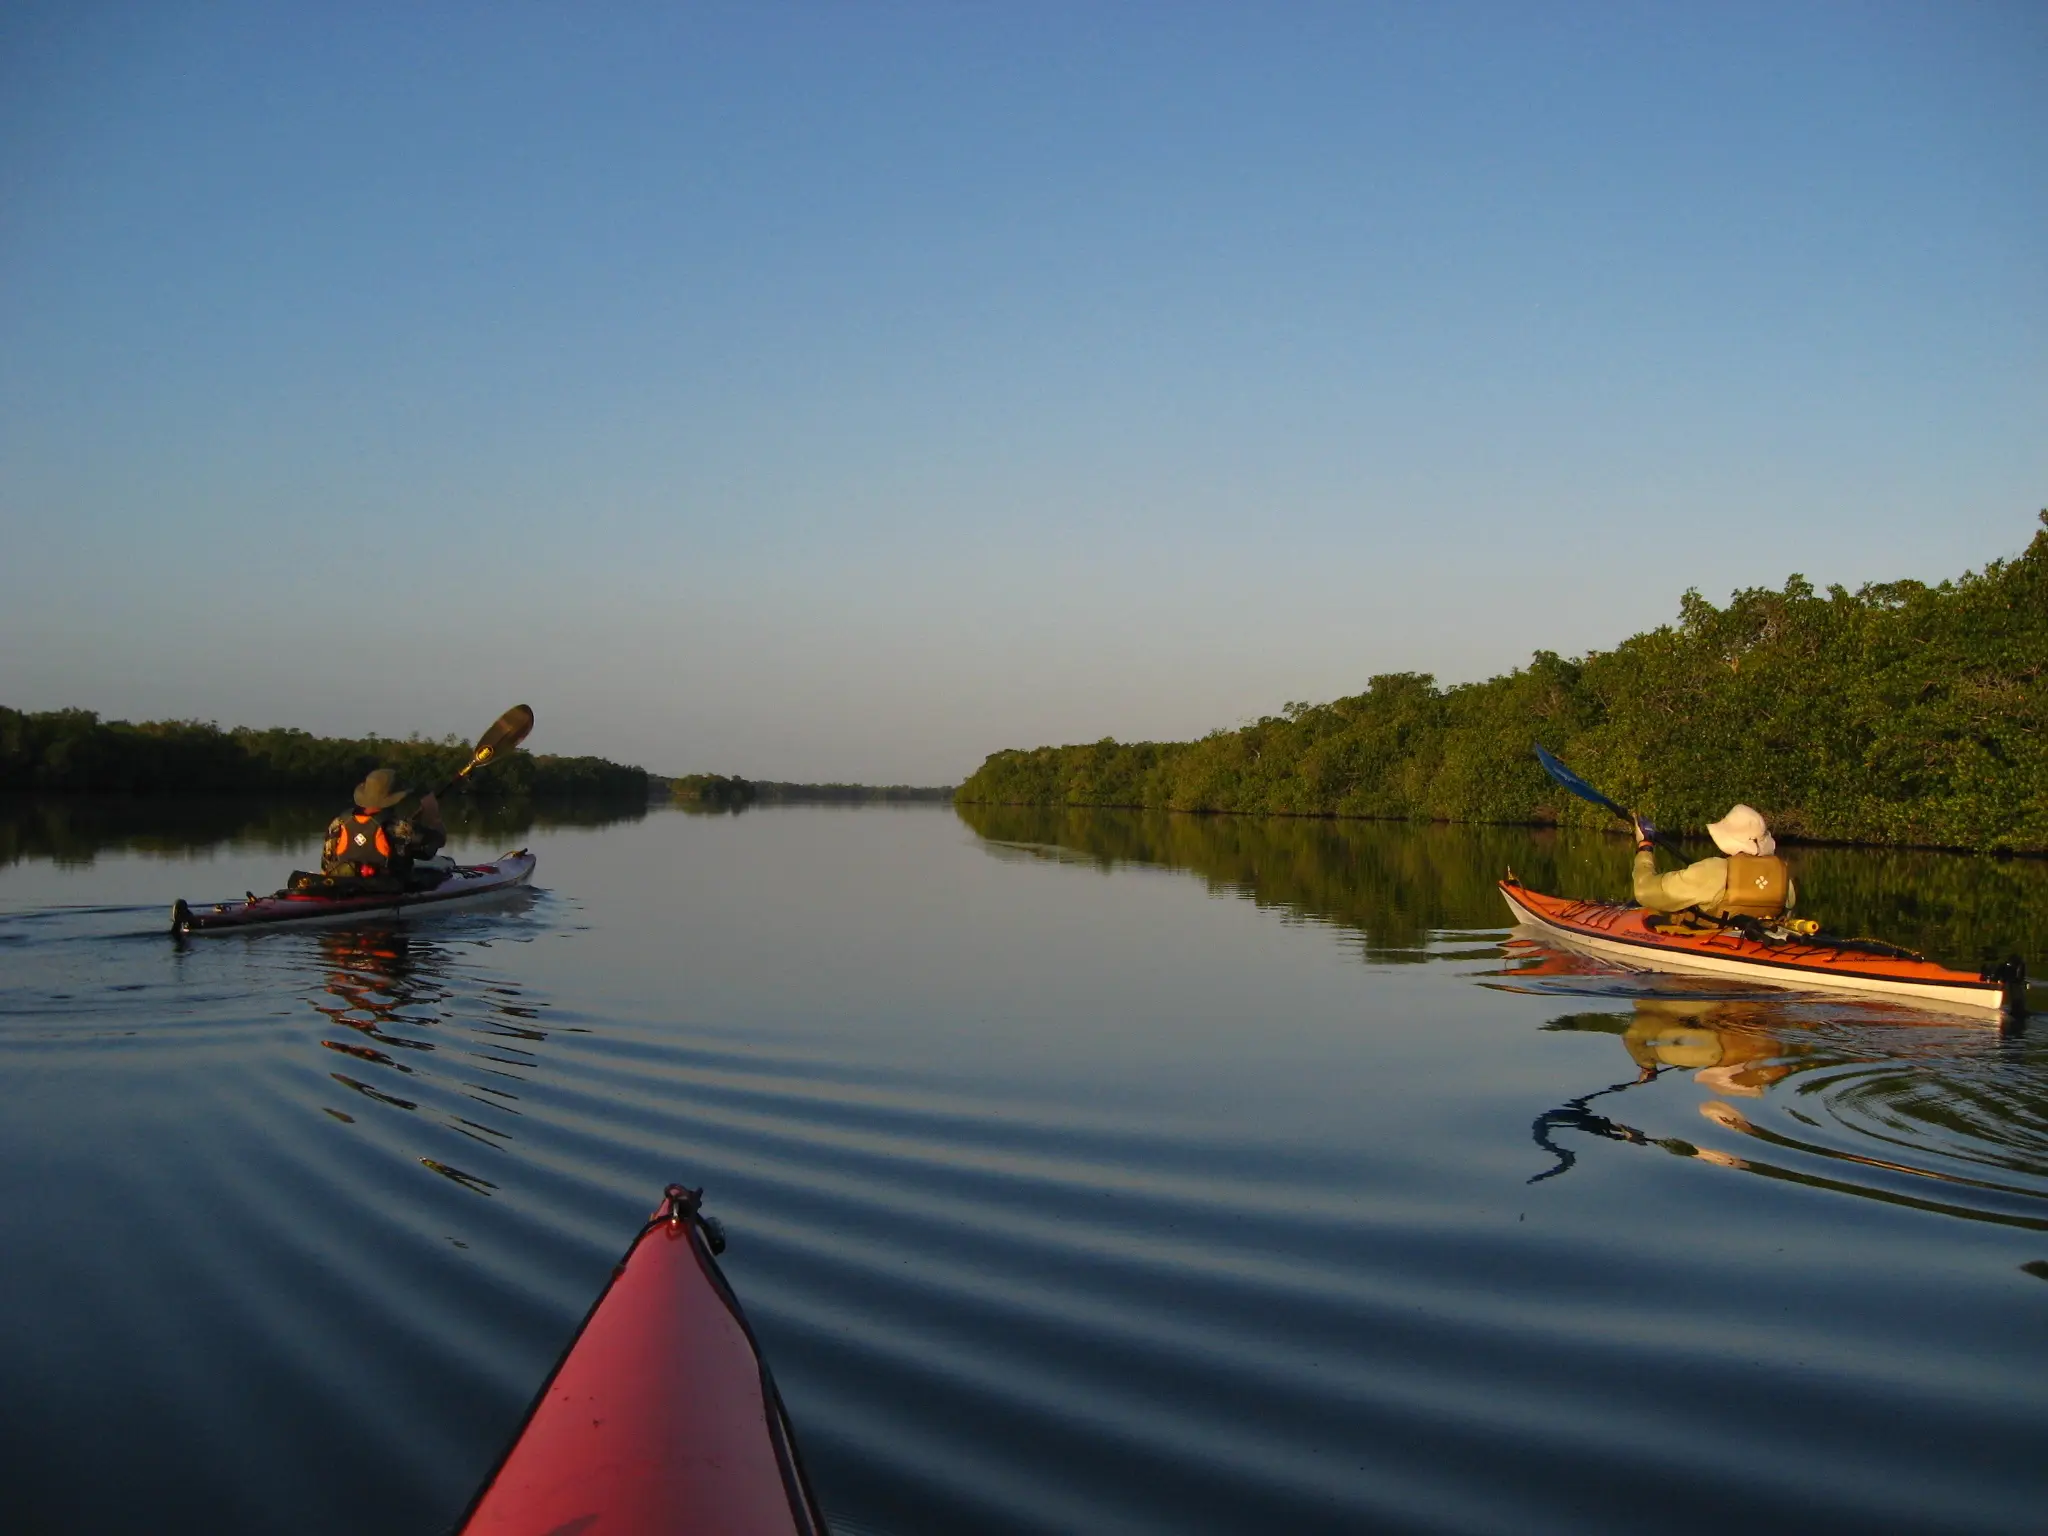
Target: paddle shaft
<point>1578,786</point>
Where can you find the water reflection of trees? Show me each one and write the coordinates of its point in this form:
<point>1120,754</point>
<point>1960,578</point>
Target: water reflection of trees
<point>1401,885</point>
<point>73,831</point>
<point>1398,886</point>
<point>1882,1103</point>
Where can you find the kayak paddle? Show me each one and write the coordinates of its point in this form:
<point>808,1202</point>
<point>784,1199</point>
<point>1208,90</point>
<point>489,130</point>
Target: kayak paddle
<point>510,730</point>
<point>1585,791</point>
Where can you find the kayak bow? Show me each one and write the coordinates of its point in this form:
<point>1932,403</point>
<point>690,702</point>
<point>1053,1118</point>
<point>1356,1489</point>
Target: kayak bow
<point>464,881</point>
<point>1624,933</point>
<point>660,1419</point>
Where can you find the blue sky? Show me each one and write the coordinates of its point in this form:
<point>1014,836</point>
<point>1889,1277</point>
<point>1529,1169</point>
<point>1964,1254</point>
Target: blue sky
<point>846,391</point>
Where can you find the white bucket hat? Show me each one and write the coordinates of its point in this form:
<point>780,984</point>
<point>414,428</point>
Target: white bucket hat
<point>1742,830</point>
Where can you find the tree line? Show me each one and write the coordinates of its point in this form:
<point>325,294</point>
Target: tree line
<point>73,751</point>
<point>1901,713</point>
<point>730,792</point>
<point>727,792</point>
<point>74,830</point>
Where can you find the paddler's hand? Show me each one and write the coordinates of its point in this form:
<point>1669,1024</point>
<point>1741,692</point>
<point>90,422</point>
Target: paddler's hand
<point>430,810</point>
<point>1646,834</point>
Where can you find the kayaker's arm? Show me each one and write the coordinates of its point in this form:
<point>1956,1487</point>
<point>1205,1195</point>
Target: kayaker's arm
<point>1695,885</point>
<point>422,834</point>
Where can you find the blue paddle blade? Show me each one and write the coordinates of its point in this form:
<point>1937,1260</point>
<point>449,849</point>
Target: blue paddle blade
<point>1574,783</point>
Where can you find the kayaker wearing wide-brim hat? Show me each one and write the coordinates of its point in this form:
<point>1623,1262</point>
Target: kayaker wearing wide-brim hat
<point>1751,881</point>
<point>370,843</point>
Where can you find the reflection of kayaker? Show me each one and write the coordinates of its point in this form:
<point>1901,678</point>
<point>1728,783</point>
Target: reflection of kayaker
<point>1749,880</point>
<point>1738,1048</point>
<point>1719,1042</point>
<point>1724,1042</point>
<point>370,974</point>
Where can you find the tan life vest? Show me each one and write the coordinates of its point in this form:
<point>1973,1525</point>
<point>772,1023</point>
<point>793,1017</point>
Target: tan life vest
<point>1756,888</point>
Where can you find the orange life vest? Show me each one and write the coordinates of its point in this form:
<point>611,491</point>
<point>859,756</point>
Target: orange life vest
<point>358,843</point>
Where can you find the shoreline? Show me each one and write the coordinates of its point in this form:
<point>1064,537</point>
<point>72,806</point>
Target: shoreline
<point>1786,840</point>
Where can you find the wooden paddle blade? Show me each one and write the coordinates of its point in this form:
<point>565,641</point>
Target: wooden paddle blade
<point>511,729</point>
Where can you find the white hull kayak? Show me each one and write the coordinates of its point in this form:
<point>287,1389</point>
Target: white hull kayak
<point>465,883</point>
<point>1620,933</point>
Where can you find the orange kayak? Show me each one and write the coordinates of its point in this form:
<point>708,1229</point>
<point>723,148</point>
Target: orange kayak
<point>660,1418</point>
<point>1633,936</point>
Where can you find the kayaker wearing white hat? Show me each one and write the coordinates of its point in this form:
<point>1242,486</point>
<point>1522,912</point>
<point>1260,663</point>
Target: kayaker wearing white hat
<point>1752,881</point>
<point>369,843</point>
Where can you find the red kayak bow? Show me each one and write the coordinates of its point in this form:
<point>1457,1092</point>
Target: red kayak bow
<point>660,1419</point>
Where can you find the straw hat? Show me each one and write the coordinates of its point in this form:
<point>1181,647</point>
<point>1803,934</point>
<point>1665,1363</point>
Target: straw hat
<point>381,790</point>
<point>1742,830</point>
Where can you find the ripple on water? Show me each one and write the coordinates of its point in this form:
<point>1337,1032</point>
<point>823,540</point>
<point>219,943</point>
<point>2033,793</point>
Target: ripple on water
<point>365,1180</point>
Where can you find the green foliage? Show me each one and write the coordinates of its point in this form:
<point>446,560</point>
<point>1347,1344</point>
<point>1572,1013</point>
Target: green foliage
<point>74,830</point>
<point>1900,713</point>
<point>711,789</point>
<point>771,792</point>
<point>714,792</point>
<point>74,751</point>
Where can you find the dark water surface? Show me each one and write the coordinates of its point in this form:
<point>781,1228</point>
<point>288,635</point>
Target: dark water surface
<point>1084,1173</point>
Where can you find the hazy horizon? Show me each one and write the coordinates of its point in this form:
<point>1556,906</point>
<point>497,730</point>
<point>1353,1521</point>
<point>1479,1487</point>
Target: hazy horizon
<point>819,394</point>
<point>571,749</point>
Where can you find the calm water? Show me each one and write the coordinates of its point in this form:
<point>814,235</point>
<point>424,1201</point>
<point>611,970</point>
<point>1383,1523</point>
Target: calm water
<point>1083,1173</point>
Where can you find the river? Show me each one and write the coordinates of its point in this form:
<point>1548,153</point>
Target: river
<point>1083,1172</point>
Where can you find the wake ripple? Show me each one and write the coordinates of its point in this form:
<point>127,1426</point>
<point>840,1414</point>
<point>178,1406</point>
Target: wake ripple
<point>325,1206</point>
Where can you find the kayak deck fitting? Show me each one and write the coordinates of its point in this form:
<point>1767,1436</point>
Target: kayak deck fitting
<point>1623,933</point>
<point>463,881</point>
<point>660,1418</point>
